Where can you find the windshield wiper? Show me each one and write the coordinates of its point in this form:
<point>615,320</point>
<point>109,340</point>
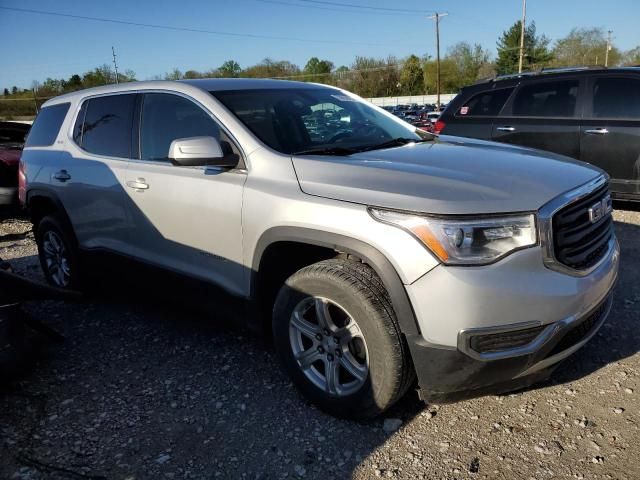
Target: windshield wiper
<point>341,151</point>
<point>396,142</point>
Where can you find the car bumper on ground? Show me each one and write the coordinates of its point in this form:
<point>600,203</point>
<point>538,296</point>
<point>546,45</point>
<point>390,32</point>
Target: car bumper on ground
<point>505,331</point>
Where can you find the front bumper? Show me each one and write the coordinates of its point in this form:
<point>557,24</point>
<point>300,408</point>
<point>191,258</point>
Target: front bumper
<point>453,303</point>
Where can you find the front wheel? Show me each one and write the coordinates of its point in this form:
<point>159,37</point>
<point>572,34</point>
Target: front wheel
<point>338,338</point>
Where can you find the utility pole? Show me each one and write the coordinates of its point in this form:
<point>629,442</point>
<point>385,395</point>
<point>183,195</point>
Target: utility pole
<point>606,54</point>
<point>522,31</point>
<point>437,17</point>
<point>115,65</point>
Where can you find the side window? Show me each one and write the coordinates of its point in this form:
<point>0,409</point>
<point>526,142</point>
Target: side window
<point>616,98</point>
<point>548,99</point>
<point>107,125</point>
<point>47,125</point>
<point>486,104</point>
<point>167,117</point>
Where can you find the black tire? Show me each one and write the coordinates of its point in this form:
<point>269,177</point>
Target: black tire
<point>359,291</point>
<point>54,225</point>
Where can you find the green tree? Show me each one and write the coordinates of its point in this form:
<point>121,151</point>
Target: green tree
<point>374,77</point>
<point>470,61</point>
<point>631,57</point>
<point>536,49</point>
<point>270,68</point>
<point>14,90</point>
<point>229,69</point>
<point>449,81</point>
<point>584,46</point>
<point>6,92</point>
<point>315,66</point>
<point>412,76</point>
<point>74,82</point>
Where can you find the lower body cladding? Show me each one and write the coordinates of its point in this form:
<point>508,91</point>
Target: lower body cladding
<point>504,326</point>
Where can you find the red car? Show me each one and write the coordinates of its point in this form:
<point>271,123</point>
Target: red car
<point>12,136</point>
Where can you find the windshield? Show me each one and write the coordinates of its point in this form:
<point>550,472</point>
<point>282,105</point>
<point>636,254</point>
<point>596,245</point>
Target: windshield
<point>315,120</point>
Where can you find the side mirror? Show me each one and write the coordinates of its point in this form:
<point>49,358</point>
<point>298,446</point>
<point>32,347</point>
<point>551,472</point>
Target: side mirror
<point>200,151</point>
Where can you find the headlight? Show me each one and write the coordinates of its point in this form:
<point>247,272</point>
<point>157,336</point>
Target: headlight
<point>466,242</point>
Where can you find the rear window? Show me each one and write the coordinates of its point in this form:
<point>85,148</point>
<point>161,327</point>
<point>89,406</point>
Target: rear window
<point>616,98</point>
<point>107,125</point>
<point>47,125</point>
<point>548,99</point>
<point>485,104</point>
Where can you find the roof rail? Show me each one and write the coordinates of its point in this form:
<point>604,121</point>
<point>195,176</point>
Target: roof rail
<point>541,71</point>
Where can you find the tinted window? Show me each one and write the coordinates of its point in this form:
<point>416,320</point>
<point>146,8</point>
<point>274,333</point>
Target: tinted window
<point>166,118</point>
<point>301,119</point>
<point>616,98</point>
<point>549,99</point>
<point>47,125</point>
<point>486,104</point>
<point>107,125</point>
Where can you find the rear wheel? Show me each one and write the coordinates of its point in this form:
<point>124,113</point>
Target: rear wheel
<point>57,253</point>
<point>337,336</point>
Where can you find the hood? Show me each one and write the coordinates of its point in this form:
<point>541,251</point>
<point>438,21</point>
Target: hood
<point>450,176</point>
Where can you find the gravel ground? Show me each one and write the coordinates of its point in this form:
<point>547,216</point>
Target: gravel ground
<point>146,389</point>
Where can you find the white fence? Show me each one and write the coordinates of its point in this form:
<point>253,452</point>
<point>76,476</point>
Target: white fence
<point>419,99</point>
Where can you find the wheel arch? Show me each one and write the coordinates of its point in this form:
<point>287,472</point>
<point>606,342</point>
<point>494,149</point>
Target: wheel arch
<point>335,244</point>
<point>42,202</point>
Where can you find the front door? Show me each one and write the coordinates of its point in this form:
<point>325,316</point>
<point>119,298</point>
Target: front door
<point>543,115</point>
<point>610,137</point>
<point>187,219</point>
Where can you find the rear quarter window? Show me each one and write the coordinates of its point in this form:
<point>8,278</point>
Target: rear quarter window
<point>485,104</point>
<point>47,125</point>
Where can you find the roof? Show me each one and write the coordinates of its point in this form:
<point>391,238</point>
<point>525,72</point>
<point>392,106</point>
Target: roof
<point>217,84</point>
<point>558,71</point>
<point>206,84</point>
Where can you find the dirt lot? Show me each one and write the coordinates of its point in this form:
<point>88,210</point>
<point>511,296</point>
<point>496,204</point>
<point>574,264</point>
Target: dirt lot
<point>146,389</point>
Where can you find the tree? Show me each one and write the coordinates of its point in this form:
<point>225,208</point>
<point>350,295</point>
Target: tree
<point>74,82</point>
<point>374,77</point>
<point>469,61</point>
<point>411,76</point>
<point>6,92</point>
<point>536,49</point>
<point>585,46</point>
<point>270,68</point>
<point>449,81</point>
<point>175,74</point>
<point>192,74</point>
<point>315,66</point>
<point>631,57</point>
<point>14,90</point>
<point>229,69</point>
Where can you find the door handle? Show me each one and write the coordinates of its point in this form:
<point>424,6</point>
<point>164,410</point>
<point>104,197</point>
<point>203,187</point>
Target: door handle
<point>596,131</point>
<point>62,176</point>
<point>506,129</point>
<point>138,184</point>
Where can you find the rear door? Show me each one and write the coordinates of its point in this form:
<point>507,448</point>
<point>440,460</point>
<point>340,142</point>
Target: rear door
<point>475,117</point>
<point>610,136</point>
<point>543,114</point>
<point>90,174</point>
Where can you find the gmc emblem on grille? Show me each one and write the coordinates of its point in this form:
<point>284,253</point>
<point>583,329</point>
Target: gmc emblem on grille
<point>600,209</point>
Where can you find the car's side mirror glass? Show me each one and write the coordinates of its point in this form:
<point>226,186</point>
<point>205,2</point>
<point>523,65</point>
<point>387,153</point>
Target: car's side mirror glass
<point>200,151</point>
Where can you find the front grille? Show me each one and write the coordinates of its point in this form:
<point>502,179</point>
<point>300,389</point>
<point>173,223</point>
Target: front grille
<point>577,242</point>
<point>582,330</point>
<point>495,342</point>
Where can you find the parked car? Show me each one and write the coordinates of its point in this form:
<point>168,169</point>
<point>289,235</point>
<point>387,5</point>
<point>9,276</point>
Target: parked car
<point>591,114</point>
<point>377,255</point>
<point>12,135</point>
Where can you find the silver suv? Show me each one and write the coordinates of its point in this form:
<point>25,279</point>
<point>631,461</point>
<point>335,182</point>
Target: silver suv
<point>380,254</point>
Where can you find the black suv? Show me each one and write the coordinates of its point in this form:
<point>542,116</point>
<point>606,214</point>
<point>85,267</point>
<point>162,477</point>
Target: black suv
<point>591,114</point>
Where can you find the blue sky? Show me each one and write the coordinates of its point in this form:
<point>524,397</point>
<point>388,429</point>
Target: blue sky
<point>39,46</point>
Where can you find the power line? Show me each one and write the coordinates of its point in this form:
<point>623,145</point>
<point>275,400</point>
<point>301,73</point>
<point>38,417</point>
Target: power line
<point>365,7</point>
<point>336,9</point>
<point>182,29</point>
